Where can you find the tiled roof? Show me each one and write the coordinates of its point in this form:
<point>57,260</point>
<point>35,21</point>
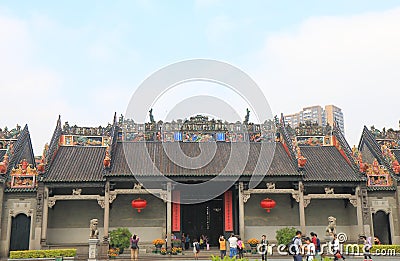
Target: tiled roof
<point>327,164</point>
<point>397,154</point>
<point>22,150</point>
<point>2,153</point>
<point>137,153</point>
<point>77,164</point>
<point>24,190</point>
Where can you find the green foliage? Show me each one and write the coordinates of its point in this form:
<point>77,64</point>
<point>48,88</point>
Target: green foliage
<point>227,258</point>
<point>51,253</point>
<point>120,238</point>
<point>285,235</point>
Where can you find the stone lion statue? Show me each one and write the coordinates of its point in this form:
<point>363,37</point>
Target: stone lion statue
<point>331,228</point>
<point>94,232</point>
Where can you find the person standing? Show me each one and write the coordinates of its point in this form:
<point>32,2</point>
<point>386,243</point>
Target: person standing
<point>317,244</point>
<point>264,247</point>
<point>240,246</point>
<point>336,248</point>
<point>222,246</point>
<point>134,247</point>
<point>183,240</point>
<point>232,245</point>
<point>310,249</point>
<point>297,246</point>
<point>196,249</point>
<point>367,248</point>
<point>187,242</point>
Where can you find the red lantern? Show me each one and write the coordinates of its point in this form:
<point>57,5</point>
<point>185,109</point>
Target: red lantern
<point>139,204</point>
<point>267,204</point>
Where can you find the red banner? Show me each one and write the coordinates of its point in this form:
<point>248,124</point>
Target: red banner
<point>228,211</point>
<point>176,211</point>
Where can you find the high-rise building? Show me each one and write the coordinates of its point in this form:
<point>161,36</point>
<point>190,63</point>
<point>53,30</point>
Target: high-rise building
<point>316,114</point>
<point>334,115</point>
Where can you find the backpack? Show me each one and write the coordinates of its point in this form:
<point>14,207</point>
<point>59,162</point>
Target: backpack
<point>291,247</point>
<point>134,244</point>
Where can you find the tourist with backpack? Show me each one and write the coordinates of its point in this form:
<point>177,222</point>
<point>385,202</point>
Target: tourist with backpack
<point>295,246</point>
<point>134,240</point>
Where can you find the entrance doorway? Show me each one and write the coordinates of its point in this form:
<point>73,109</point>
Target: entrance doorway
<point>203,219</point>
<point>20,231</point>
<point>382,227</point>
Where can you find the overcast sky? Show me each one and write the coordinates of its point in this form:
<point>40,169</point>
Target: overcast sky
<point>84,59</point>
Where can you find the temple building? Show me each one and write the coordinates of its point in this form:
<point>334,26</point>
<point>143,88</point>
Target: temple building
<point>144,176</point>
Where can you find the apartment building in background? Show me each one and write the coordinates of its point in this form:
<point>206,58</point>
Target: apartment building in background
<point>317,114</point>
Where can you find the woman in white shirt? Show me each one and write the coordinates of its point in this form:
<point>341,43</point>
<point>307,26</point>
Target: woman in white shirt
<point>310,249</point>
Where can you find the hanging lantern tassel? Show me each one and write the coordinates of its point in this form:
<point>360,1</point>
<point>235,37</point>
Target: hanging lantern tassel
<point>268,204</point>
<point>139,204</point>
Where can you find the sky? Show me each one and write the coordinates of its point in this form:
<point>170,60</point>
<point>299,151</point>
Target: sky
<point>83,60</point>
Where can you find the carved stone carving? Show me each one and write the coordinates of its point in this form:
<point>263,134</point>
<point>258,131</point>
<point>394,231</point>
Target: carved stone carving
<point>329,190</point>
<point>101,202</point>
<point>94,232</point>
<point>331,228</point>
<point>306,202</point>
<point>51,203</point>
<point>163,196</point>
<point>246,196</point>
<point>353,202</point>
<point>296,196</point>
<point>112,197</point>
<point>138,186</point>
<point>270,185</point>
<point>76,191</point>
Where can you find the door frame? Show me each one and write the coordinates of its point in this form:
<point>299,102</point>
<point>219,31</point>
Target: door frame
<point>12,213</point>
<point>388,212</point>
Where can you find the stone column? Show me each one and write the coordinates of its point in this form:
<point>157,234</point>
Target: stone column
<point>241,211</point>
<point>360,224</point>
<point>301,208</point>
<point>93,253</point>
<point>45,215</point>
<point>169,213</point>
<point>106,210</point>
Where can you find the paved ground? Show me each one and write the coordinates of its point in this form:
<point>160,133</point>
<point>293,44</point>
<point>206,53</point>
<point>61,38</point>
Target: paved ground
<point>206,255</point>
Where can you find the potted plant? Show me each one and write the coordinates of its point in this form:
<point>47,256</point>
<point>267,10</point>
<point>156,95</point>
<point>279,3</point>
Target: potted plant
<point>176,242</point>
<point>120,238</point>
<point>163,251</point>
<point>158,244</point>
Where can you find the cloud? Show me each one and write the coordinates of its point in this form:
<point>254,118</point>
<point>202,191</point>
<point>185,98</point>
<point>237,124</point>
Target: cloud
<point>29,92</point>
<point>350,61</point>
<point>219,29</point>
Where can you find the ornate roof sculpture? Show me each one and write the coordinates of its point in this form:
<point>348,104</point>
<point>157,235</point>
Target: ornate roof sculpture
<point>198,128</point>
<point>311,134</point>
<point>17,166</point>
<point>85,136</point>
<point>7,140</point>
<point>24,175</point>
<point>389,141</point>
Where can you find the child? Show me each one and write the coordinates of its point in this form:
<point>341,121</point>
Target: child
<point>196,249</point>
